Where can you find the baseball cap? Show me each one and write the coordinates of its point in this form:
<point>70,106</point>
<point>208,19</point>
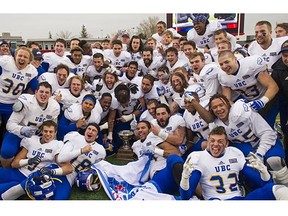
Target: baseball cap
<point>37,54</point>
<point>4,42</point>
<point>284,47</point>
<point>200,19</point>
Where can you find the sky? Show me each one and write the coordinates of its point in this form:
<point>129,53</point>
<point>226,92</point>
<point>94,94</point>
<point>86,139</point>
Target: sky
<point>34,25</point>
<point>35,19</point>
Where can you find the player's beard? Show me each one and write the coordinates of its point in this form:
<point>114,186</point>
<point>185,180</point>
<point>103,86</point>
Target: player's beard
<point>163,126</point>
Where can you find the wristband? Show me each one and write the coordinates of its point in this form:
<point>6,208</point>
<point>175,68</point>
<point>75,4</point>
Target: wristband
<point>58,171</point>
<point>159,151</point>
<point>265,100</point>
<point>23,162</point>
<point>163,135</point>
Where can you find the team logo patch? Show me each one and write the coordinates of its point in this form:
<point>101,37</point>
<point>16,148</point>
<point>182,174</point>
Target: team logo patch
<point>273,54</point>
<point>233,160</point>
<point>149,143</point>
<point>95,152</point>
<point>240,124</point>
<point>246,77</point>
<point>169,128</point>
<point>48,117</point>
<point>28,75</point>
<point>260,61</point>
<point>48,150</point>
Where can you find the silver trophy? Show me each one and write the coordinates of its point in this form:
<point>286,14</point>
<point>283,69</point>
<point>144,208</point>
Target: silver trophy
<point>125,152</point>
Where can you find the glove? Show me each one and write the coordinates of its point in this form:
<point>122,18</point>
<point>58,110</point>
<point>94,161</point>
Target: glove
<point>160,90</point>
<point>133,87</point>
<point>255,162</point>
<point>28,131</point>
<point>113,70</point>
<point>188,167</point>
<point>256,105</point>
<point>88,86</point>
<point>188,96</point>
<point>47,171</point>
<point>133,124</point>
<point>138,106</point>
<point>34,161</point>
<point>99,86</point>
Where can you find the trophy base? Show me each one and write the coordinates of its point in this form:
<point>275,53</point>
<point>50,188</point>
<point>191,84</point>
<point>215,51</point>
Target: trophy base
<point>125,154</point>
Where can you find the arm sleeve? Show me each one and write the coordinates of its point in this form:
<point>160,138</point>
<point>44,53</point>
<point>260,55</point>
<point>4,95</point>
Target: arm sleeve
<point>193,182</point>
<point>263,131</point>
<point>68,153</point>
<point>33,84</point>
<point>65,126</point>
<point>13,124</point>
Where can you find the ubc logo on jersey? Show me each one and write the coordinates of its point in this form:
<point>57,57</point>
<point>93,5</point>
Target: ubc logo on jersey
<point>223,168</point>
<point>235,133</point>
<point>240,84</point>
<point>197,125</point>
<point>17,76</point>
<point>38,154</point>
<point>260,60</point>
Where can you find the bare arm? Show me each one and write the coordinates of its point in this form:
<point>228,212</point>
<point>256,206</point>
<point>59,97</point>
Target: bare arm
<point>267,81</point>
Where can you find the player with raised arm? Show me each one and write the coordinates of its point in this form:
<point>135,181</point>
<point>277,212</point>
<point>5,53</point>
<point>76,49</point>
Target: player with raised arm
<point>217,169</point>
<point>29,112</point>
<point>81,151</point>
<point>249,77</point>
<point>248,131</point>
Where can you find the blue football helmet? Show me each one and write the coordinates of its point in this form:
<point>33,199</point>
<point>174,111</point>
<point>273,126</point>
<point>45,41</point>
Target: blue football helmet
<point>40,187</point>
<point>88,180</point>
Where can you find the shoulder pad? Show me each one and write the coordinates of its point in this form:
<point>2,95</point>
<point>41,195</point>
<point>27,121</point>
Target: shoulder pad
<point>18,106</point>
<point>240,111</point>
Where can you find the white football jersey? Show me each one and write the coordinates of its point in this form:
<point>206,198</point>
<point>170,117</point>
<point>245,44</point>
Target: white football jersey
<point>119,61</point>
<point>80,68</point>
<point>168,90</point>
<point>51,78</point>
<point>207,38</point>
<point>146,116</point>
<point>196,123</point>
<point>74,113</point>
<point>208,79</point>
<point>246,125</point>
<point>53,59</point>
<point>68,98</point>
<point>136,56</point>
<point>12,80</point>
<point>104,88</point>
<point>46,151</point>
<point>152,68</point>
<point>125,110</point>
<point>75,141</point>
<point>245,80</point>
<point>150,143</point>
<point>91,72</point>
<point>152,94</point>
<point>180,63</point>
<point>270,55</point>
<point>32,114</point>
<point>219,176</point>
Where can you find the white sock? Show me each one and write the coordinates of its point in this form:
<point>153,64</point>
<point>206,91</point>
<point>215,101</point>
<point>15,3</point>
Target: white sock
<point>13,193</point>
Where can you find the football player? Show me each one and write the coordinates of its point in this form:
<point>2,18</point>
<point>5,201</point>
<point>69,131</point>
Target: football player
<point>29,112</point>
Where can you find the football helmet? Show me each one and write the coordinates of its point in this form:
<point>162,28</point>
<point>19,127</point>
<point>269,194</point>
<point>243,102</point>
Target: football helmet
<point>39,187</point>
<point>88,180</point>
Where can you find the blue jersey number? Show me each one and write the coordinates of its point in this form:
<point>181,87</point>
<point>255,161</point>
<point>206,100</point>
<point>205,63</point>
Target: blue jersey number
<point>220,188</point>
<point>8,87</point>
